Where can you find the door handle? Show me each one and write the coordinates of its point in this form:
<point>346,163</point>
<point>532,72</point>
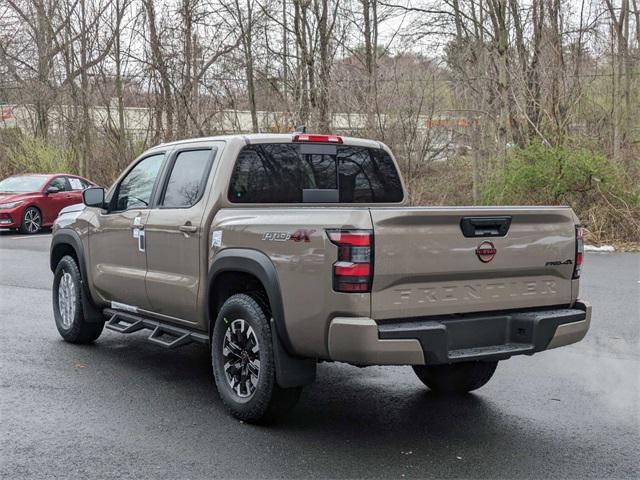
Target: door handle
<point>137,223</point>
<point>188,228</point>
<point>485,226</point>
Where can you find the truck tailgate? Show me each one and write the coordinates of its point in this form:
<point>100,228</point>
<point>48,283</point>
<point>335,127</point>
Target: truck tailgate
<point>425,265</point>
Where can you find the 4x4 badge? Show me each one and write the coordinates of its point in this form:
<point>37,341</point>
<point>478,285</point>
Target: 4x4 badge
<point>486,251</point>
<point>300,235</point>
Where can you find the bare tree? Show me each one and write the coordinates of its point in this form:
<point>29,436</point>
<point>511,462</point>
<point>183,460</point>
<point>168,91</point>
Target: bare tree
<point>245,19</point>
<point>433,78</point>
<point>621,73</point>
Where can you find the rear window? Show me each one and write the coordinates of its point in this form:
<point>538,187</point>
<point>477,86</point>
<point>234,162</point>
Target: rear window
<point>295,173</point>
<point>187,178</point>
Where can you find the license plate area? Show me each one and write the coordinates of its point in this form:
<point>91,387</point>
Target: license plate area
<point>477,332</point>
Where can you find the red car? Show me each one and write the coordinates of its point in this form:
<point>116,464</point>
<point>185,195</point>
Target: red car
<point>31,202</point>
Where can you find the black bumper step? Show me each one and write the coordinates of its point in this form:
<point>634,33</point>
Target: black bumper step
<point>168,336</point>
<point>482,336</point>
<point>477,353</point>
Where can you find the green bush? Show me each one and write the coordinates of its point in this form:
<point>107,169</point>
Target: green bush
<point>599,190</point>
<point>35,155</point>
<point>539,174</point>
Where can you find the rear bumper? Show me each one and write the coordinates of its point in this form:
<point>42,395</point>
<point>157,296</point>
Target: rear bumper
<point>432,341</point>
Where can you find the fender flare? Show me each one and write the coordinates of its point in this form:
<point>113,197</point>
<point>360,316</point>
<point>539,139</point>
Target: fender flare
<point>260,266</point>
<point>291,371</point>
<point>71,238</point>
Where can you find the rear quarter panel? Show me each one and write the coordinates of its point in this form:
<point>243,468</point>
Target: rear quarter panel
<point>304,267</point>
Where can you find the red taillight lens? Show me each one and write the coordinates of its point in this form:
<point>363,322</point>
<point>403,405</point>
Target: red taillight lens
<point>353,272</point>
<point>350,237</point>
<point>579,251</point>
<point>305,137</point>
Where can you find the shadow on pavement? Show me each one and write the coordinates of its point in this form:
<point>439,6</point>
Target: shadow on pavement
<point>344,401</point>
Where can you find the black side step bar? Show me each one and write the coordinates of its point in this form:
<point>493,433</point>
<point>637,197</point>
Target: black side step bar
<point>168,336</point>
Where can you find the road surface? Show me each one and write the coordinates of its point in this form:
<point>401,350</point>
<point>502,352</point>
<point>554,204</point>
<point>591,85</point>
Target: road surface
<point>125,408</point>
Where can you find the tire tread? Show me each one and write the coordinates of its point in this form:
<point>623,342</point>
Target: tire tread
<point>81,330</point>
<point>272,401</point>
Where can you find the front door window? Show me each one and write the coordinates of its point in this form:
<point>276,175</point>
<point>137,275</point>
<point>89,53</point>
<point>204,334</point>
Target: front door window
<point>60,183</point>
<point>136,188</point>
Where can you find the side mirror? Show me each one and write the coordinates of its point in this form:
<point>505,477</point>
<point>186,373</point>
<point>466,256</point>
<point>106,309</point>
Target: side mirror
<point>93,197</point>
<point>53,189</point>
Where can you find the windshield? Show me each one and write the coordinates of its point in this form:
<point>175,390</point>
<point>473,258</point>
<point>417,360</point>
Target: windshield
<point>22,184</point>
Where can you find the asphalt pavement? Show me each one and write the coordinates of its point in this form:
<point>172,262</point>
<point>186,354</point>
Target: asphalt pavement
<point>125,408</point>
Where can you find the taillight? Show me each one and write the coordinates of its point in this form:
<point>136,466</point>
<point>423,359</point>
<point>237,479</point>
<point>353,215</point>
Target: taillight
<point>305,137</point>
<point>579,251</point>
<point>353,272</point>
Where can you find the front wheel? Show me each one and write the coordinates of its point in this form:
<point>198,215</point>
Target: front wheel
<point>244,364</point>
<point>67,304</point>
<point>456,377</point>
<point>31,221</point>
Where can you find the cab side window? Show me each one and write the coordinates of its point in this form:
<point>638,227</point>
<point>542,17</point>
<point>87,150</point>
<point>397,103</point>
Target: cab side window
<point>136,187</point>
<point>187,179</point>
<point>60,183</point>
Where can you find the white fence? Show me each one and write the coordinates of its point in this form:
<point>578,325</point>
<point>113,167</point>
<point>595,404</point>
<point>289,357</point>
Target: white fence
<point>139,121</point>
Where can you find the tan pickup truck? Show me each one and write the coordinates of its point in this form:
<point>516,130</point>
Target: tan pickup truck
<point>279,251</point>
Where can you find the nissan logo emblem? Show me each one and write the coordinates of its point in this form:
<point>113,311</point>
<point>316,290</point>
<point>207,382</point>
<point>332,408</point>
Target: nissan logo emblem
<point>486,251</point>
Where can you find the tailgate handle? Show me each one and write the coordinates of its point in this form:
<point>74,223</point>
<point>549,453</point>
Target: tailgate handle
<point>485,226</point>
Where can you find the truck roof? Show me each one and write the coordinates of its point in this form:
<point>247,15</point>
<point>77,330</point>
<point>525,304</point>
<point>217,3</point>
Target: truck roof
<point>271,138</point>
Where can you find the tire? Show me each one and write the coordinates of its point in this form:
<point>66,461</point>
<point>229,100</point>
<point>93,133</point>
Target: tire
<point>242,336</point>
<point>67,304</point>
<point>31,221</point>
<point>456,377</point>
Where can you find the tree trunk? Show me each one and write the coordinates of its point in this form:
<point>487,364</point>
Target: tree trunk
<point>627,59</point>
<point>248,57</point>
<point>86,120</point>
<point>302,62</point>
<point>43,46</point>
<point>285,60</point>
<point>161,68</point>
<point>121,127</point>
<point>324,32</point>
<point>183,97</point>
<point>475,161</point>
<point>619,47</point>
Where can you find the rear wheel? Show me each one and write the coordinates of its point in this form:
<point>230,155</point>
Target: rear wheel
<point>67,304</point>
<point>31,221</point>
<point>244,365</point>
<point>456,377</point>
